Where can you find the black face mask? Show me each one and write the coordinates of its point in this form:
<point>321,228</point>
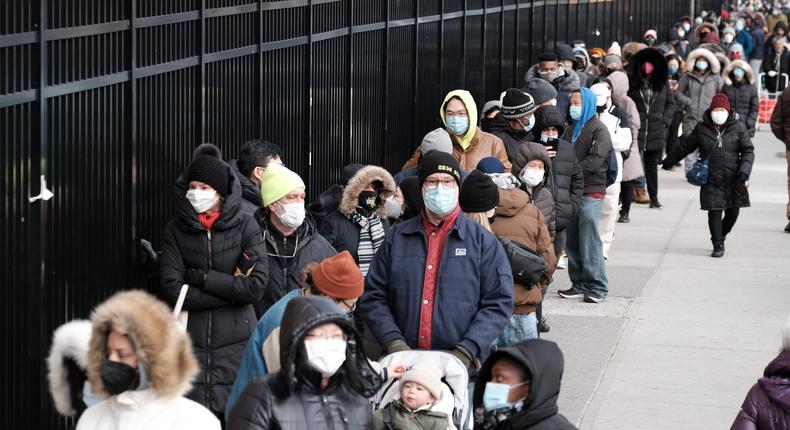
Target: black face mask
<point>117,377</point>
<point>368,201</point>
<point>600,109</point>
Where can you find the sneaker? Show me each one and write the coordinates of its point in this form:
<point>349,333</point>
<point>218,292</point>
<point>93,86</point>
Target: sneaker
<point>543,326</point>
<point>562,263</point>
<point>718,250</point>
<point>593,298</point>
<point>570,293</point>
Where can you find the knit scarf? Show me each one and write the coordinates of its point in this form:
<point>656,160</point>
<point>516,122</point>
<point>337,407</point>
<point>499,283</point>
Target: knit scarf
<point>371,236</point>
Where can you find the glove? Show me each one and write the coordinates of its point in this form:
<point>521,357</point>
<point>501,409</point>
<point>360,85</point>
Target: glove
<point>743,177</point>
<point>462,354</point>
<point>397,345</point>
<point>195,277</point>
<point>246,263</point>
<point>625,154</point>
<point>772,73</point>
<point>665,165</point>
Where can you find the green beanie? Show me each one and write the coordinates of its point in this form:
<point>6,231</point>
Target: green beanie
<point>277,181</point>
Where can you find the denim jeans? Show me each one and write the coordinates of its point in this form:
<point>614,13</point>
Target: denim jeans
<point>520,327</point>
<point>586,266</point>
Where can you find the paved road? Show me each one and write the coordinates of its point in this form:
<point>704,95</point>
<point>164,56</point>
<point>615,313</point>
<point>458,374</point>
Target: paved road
<point>683,336</point>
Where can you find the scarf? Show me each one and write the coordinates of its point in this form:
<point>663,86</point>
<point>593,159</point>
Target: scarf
<point>371,236</point>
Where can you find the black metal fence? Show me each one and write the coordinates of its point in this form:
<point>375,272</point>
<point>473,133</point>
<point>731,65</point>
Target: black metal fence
<point>105,100</point>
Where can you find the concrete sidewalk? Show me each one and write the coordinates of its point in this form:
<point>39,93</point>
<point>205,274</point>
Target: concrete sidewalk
<point>683,336</point>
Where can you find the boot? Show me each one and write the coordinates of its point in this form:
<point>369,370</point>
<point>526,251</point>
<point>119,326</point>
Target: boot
<point>787,228</point>
<point>718,250</point>
<point>623,217</point>
<point>543,326</point>
<point>655,204</point>
<point>640,196</point>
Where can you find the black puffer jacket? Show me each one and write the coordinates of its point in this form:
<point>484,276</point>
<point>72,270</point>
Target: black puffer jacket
<point>565,172</point>
<point>292,398</point>
<point>250,193</point>
<point>545,364</point>
<point>287,257</point>
<point>742,94</point>
<point>221,313</point>
<point>499,127</point>
<point>736,155</point>
<point>542,195</point>
<point>653,100</point>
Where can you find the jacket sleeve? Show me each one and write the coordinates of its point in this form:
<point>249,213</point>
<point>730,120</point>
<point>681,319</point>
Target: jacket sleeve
<point>747,416</point>
<point>598,153</point>
<point>682,95</point>
<point>413,160</point>
<point>754,107</point>
<point>253,409</point>
<point>746,149</point>
<point>684,147</point>
<point>779,126</point>
<point>374,303</point>
<point>243,287</point>
<point>171,273</point>
<point>495,305</point>
<point>501,153</point>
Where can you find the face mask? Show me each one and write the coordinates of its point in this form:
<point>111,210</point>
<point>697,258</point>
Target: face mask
<point>739,26</point>
<point>367,201</point>
<point>703,35</point>
<point>549,76</point>
<point>719,117</point>
<point>117,377</point>
<point>326,355</point>
<point>531,123</point>
<point>392,207</point>
<point>440,200</point>
<point>738,73</point>
<point>458,125</point>
<point>701,65</point>
<point>545,138</point>
<point>686,27</point>
<point>728,38</point>
<point>576,112</point>
<point>532,177</point>
<point>495,395</point>
<point>600,109</point>
<point>202,200</point>
<point>650,42</point>
<point>595,60</point>
<point>681,33</point>
<point>293,215</point>
<point>673,69</point>
<point>647,68</point>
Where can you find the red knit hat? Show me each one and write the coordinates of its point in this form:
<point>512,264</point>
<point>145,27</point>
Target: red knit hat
<point>339,277</point>
<point>720,100</point>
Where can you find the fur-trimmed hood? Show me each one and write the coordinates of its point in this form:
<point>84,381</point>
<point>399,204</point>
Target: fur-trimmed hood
<point>707,25</point>
<point>162,346</point>
<point>658,79</point>
<point>358,182</point>
<point>734,65</point>
<point>713,62</point>
<point>68,354</point>
<point>567,82</point>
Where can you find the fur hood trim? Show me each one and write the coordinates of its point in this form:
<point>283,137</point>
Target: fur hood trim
<point>162,346</point>
<point>70,341</point>
<point>658,79</point>
<point>568,82</point>
<point>707,25</point>
<point>358,182</point>
<point>734,65</point>
<point>713,62</point>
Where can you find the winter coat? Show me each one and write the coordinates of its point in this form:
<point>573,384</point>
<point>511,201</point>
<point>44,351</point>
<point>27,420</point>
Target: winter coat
<point>632,166</point>
<point>405,419</point>
<point>541,195</point>
<point>779,63</point>
<point>592,150</point>
<point>758,39</point>
<point>67,363</point>
<point>221,313</point>
<point>695,92</point>
<point>742,94</point>
<point>564,172</point>
<point>166,353</point>
<point>510,137</point>
<point>565,85</point>
<point>287,257</point>
<point>655,104</point>
<point>474,280</point>
<point>780,118</point>
<point>342,233</point>
<point>522,222</point>
<point>735,155</point>
<point>292,399</point>
<point>745,39</point>
<point>250,193</point>
<point>767,405</point>
<point>544,362</point>
<point>772,20</point>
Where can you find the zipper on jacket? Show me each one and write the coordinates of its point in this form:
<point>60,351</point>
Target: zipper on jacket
<point>210,318</point>
<point>647,115</point>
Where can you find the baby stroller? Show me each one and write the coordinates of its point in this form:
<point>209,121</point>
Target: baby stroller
<point>455,396</point>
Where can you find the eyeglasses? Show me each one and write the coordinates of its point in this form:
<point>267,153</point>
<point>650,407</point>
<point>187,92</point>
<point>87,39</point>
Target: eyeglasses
<point>433,183</point>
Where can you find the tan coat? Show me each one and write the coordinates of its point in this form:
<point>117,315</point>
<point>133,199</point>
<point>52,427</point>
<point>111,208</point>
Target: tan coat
<point>483,145</point>
<point>521,221</point>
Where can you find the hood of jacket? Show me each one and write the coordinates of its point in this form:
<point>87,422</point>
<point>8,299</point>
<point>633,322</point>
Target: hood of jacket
<point>302,314</point>
<point>776,380</point>
<point>230,207</point>
<point>658,79</point>
<point>710,57</point>
<point>706,25</point>
<point>361,179</point>
<point>569,81</point>
<point>734,65</point>
<point>545,363</point>
<point>69,343</point>
<point>549,116</point>
<point>249,191</point>
<point>511,201</point>
<point>162,346</point>
<point>471,108</point>
<point>620,84</point>
<point>588,111</point>
<point>527,152</point>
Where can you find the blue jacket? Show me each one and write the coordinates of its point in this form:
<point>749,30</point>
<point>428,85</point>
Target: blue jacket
<point>745,39</point>
<point>252,364</point>
<point>474,291</point>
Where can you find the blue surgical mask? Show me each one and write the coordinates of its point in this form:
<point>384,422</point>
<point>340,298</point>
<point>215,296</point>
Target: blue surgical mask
<point>673,69</point>
<point>701,65</point>
<point>576,112</point>
<point>495,395</point>
<point>738,72</point>
<point>529,124</point>
<point>458,125</point>
<point>440,200</point>
<point>739,26</point>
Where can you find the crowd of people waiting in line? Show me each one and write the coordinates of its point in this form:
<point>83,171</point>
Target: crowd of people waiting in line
<point>297,314</point>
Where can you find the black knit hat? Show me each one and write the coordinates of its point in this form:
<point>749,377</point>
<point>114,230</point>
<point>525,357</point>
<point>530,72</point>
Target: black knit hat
<point>210,171</point>
<point>516,104</point>
<point>478,193</point>
<point>439,162</point>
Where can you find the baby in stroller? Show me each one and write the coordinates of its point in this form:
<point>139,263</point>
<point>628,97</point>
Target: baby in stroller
<point>420,387</point>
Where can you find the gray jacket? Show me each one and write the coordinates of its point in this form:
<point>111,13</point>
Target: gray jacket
<point>696,91</point>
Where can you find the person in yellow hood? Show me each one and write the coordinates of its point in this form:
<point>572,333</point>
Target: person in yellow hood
<point>470,144</point>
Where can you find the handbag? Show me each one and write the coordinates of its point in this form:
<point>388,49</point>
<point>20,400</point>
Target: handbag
<point>527,265</point>
<point>700,171</point>
<point>182,317</point>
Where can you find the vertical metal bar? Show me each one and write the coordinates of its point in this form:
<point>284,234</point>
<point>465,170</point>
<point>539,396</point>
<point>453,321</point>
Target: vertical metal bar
<point>501,46</point>
<point>132,124</point>
<point>516,61</point>
<point>441,45</point>
<point>309,89</point>
<point>463,45</point>
<point>349,96</point>
<point>385,99</point>
<point>201,95</point>
<point>416,67</point>
<point>259,70</point>
<point>483,46</point>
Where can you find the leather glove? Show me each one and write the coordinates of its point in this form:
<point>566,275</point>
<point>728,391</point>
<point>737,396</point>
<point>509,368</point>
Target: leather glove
<point>743,177</point>
<point>397,345</point>
<point>462,354</point>
<point>625,154</point>
<point>195,277</point>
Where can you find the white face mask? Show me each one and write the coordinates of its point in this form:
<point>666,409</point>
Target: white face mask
<point>326,355</point>
<point>202,200</point>
<point>532,177</point>
<point>728,38</point>
<point>719,117</point>
<point>392,207</point>
<point>292,216</point>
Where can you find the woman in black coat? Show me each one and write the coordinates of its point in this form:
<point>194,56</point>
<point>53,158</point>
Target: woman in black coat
<point>656,106</point>
<point>740,89</point>
<point>324,385</point>
<point>218,252</point>
<point>724,141</point>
